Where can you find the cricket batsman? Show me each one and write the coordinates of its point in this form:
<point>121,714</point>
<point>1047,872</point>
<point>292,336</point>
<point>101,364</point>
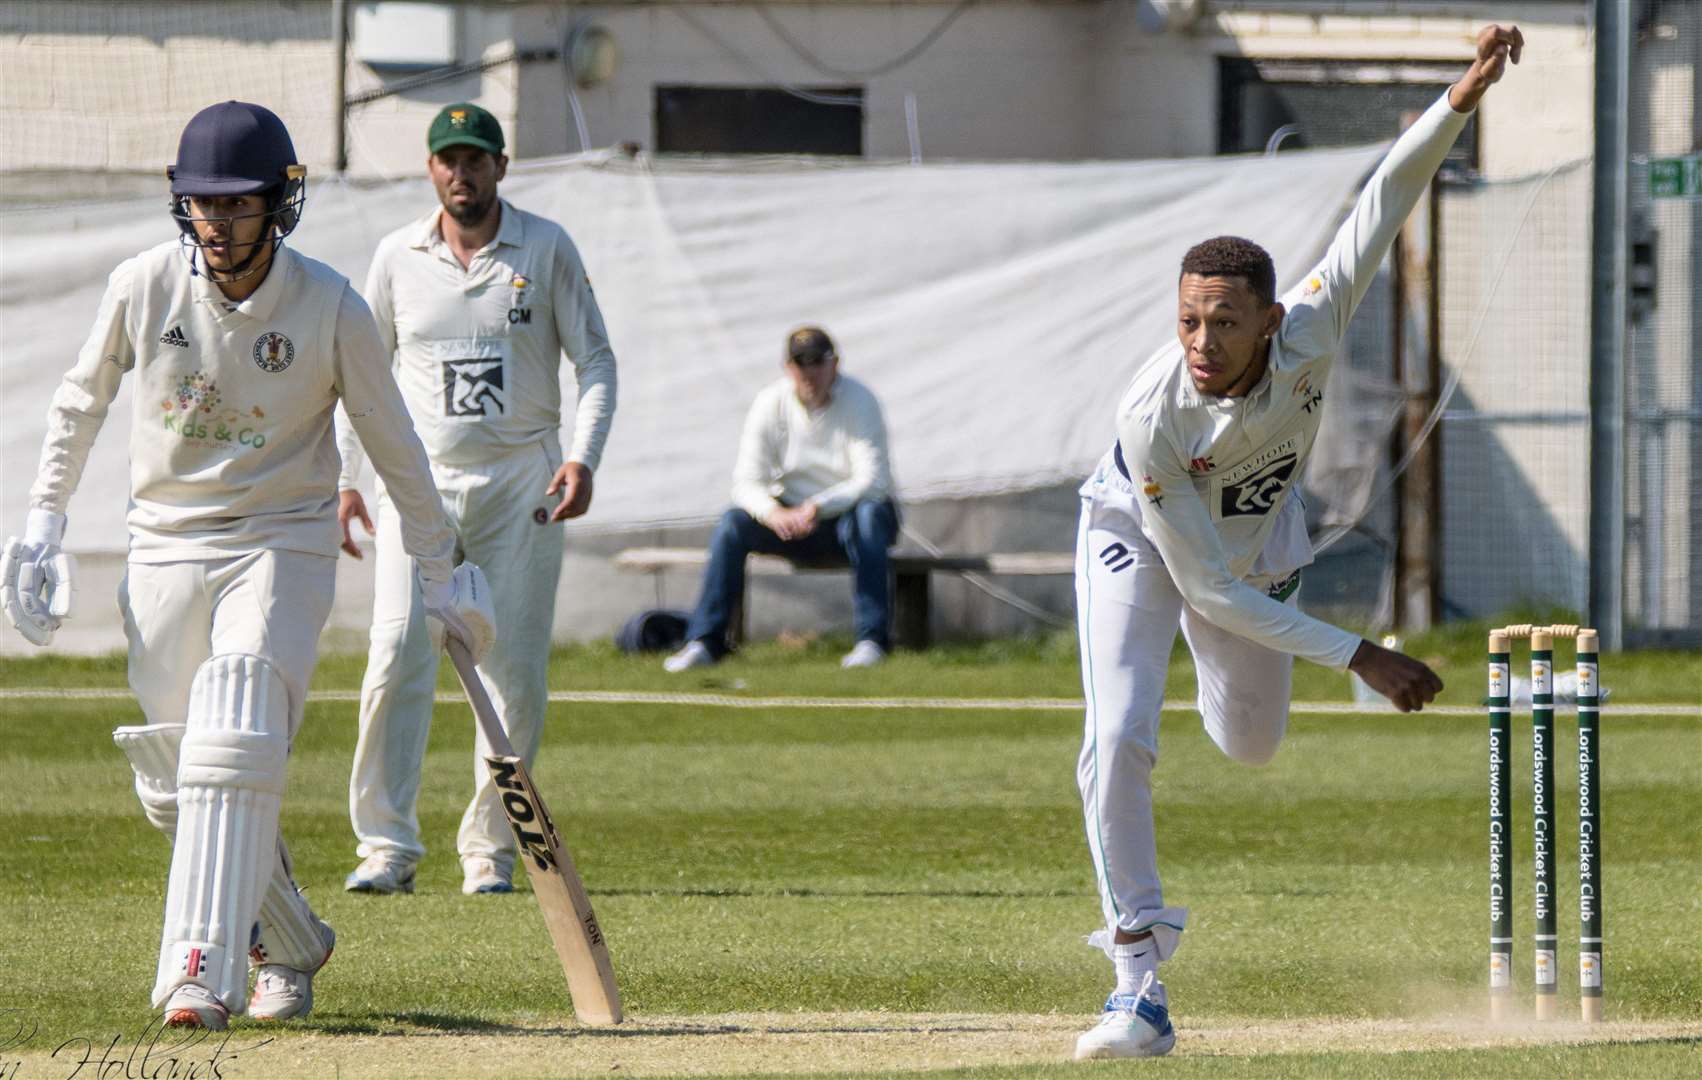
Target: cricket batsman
<point>1193,519</point>
<point>240,350</point>
<point>478,300</point>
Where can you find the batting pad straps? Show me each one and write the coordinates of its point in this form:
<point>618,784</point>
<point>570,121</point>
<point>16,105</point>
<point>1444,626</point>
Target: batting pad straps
<point>230,785</point>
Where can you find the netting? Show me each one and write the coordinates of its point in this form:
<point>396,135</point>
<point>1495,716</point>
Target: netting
<point>1663,442</point>
<point>106,87</point>
<point>1515,435</point>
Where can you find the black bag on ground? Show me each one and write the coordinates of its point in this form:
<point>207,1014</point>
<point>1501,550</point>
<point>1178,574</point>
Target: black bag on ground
<point>656,630</point>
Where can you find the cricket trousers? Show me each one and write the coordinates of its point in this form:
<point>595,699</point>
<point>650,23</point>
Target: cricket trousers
<point>500,515</point>
<point>1128,610</point>
<point>266,604</point>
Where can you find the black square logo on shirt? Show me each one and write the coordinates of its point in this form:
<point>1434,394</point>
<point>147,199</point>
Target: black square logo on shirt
<point>1258,492</point>
<point>474,388</point>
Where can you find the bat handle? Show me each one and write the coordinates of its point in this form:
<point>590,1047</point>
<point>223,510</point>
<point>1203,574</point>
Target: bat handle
<point>474,687</point>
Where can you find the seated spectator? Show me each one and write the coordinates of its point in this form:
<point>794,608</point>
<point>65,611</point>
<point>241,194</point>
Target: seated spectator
<point>812,484</point>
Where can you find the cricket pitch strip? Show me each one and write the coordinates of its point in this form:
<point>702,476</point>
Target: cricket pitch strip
<point>744,1044</point>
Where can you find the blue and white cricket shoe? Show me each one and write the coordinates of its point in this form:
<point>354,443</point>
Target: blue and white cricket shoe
<point>1134,1025</point>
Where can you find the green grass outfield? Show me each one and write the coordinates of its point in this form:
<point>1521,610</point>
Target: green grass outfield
<point>873,891</point>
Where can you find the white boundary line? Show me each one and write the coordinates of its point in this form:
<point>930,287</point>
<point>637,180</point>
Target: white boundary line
<point>728,701</point>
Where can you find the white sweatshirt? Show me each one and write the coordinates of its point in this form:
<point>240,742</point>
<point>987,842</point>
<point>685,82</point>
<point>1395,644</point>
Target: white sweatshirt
<point>231,445</point>
<point>1211,474</point>
<point>790,455</point>
<point>478,349</point>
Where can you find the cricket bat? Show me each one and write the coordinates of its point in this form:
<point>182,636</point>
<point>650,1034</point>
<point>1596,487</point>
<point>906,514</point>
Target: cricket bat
<point>561,895</point>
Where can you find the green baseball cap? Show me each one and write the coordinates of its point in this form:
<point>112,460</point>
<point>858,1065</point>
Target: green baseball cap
<point>464,124</point>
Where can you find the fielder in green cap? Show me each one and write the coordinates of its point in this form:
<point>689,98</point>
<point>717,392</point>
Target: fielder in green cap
<point>476,301</point>
<point>465,124</point>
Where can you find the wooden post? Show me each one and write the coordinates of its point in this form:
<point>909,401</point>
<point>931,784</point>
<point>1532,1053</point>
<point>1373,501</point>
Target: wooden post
<point>1418,374</point>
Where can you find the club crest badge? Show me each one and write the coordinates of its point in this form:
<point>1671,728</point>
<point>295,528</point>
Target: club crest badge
<point>1153,490</point>
<point>273,352</point>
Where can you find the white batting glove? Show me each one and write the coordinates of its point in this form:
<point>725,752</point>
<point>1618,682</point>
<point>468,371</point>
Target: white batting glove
<point>36,586</point>
<point>463,605</point>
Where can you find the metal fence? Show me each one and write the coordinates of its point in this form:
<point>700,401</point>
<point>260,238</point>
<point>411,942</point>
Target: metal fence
<point>1663,445</point>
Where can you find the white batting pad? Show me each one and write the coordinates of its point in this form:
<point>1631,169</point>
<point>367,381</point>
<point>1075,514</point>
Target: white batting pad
<point>153,752</point>
<point>290,933</point>
<point>230,785</point>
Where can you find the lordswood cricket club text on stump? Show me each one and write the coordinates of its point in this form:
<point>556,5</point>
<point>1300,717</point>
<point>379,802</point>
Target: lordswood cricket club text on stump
<point>1542,820</point>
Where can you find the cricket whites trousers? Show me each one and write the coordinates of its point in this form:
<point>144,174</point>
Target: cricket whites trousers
<point>500,515</point>
<point>262,609</point>
<point>1128,610</point>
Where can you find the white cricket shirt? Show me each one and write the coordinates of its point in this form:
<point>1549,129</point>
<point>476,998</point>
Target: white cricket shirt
<point>790,454</point>
<point>478,349</point>
<point>1212,475</point>
<point>231,444</point>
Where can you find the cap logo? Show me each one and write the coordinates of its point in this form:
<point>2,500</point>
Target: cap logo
<point>458,118</point>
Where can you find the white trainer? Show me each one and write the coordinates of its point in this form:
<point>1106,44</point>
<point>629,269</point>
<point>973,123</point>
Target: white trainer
<point>695,654</point>
<point>194,1006</point>
<point>480,874</point>
<point>381,873</point>
<point>1134,1025</point>
<point>865,654</point>
<point>282,992</point>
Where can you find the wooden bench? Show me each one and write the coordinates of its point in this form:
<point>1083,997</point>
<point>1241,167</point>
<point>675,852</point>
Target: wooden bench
<point>910,571</point>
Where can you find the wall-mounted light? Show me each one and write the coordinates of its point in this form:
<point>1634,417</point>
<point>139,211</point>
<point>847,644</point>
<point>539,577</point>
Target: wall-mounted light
<point>592,54</point>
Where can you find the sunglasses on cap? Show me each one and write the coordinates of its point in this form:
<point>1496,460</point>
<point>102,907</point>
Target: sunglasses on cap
<point>813,359</point>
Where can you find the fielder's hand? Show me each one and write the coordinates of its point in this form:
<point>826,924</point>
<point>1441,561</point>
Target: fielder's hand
<point>463,605</point>
<point>36,586</point>
<point>1398,677</point>
<point>1495,46</point>
<point>349,507</point>
<point>573,480</point>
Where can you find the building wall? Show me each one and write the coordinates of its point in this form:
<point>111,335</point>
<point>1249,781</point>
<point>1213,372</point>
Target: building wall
<point>1048,81</point>
<point>98,86</point>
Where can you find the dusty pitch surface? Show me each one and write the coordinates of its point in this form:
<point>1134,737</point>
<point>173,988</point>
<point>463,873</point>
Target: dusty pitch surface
<point>769,1043</point>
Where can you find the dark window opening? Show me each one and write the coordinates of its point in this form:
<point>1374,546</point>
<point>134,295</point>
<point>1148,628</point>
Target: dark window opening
<point>759,120</point>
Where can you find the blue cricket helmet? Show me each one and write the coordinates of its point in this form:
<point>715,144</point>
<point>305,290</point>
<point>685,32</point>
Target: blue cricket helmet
<point>232,148</point>
<point>237,148</point>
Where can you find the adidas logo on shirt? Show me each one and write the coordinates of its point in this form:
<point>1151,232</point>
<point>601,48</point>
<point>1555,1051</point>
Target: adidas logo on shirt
<point>174,336</point>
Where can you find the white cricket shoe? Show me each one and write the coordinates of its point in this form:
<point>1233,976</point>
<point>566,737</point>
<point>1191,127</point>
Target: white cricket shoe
<point>194,1006</point>
<point>381,873</point>
<point>482,875</point>
<point>282,992</point>
<point>695,654</point>
<point>865,654</point>
<point>1134,1025</point>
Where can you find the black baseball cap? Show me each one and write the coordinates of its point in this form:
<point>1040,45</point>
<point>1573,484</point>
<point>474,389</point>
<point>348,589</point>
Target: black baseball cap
<point>464,124</point>
<point>810,345</point>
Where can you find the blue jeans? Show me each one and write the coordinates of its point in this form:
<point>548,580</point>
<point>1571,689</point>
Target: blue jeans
<point>859,538</point>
